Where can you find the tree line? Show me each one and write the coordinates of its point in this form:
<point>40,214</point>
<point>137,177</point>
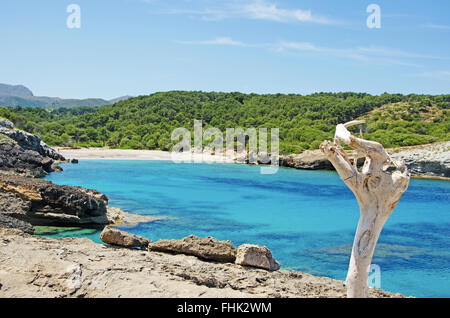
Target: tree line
<point>146,122</point>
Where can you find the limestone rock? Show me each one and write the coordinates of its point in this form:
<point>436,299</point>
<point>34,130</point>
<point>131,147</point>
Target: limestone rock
<point>256,256</point>
<point>427,160</point>
<point>24,153</point>
<point>121,238</point>
<point>8,222</point>
<point>309,159</point>
<point>34,266</point>
<point>207,248</point>
<point>41,202</point>
<point>30,142</point>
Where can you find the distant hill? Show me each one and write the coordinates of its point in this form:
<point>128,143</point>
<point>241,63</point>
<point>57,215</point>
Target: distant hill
<point>19,95</point>
<point>15,90</point>
<point>119,99</point>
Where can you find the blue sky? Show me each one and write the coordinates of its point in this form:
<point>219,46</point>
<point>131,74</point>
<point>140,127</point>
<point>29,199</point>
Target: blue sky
<point>135,47</point>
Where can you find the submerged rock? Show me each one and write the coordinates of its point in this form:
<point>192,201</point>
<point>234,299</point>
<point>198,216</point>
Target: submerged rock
<point>207,248</point>
<point>256,256</point>
<point>121,238</point>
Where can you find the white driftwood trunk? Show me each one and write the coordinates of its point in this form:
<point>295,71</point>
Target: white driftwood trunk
<point>377,191</point>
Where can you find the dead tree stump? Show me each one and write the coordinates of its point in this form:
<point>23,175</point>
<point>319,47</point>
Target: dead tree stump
<point>377,189</point>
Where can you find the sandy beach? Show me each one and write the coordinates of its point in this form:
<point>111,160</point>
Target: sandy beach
<point>129,154</point>
<point>113,154</point>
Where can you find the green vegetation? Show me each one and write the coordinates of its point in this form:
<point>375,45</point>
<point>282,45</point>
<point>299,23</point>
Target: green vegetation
<point>146,122</point>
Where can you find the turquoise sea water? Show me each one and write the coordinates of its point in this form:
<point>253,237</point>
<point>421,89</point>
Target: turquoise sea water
<point>306,218</point>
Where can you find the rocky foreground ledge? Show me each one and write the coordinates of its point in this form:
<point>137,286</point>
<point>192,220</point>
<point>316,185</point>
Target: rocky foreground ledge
<point>32,266</point>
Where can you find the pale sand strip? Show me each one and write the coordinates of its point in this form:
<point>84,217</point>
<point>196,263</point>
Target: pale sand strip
<point>121,154</point>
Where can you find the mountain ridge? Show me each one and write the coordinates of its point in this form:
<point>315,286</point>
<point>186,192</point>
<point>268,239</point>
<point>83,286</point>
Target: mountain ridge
<point>15,90</point>
<point>19,95</point>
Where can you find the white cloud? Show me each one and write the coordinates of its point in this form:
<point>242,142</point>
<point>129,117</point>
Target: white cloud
<point>216,41</point>
<point>382,51</point>
<point>253,10</point>
<point>373,54</point>
<point>204,14</point>
<point>379,55</point>
<point>443,75</point>
<point>436,26</point>
<point>262,10</point>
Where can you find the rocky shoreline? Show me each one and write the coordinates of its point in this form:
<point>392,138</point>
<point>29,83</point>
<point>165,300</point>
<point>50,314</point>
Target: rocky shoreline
<point>427,161</point>
<point>424,161</point>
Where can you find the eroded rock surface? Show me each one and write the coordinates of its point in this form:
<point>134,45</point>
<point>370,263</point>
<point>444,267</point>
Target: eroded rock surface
<point>24,153</point>
<point>121,238</point>
<point>431,160</point>
<point>256,256</point>
<point>309,159</point>
<point>40,202</point>
<point>13,223</point>
<point>207,248</point>
<point>32,266</point>
<point>428,160</point>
